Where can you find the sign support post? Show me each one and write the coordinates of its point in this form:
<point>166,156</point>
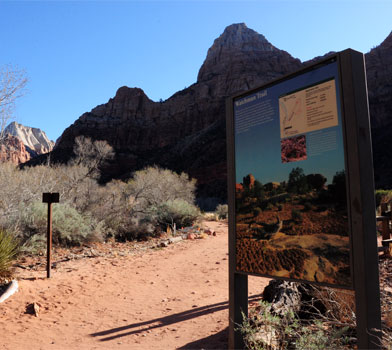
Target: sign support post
<point>361,201</point>
<point>49,198</point>
<point>238,283</point>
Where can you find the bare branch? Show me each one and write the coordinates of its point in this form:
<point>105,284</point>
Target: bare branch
<point>13,83</point>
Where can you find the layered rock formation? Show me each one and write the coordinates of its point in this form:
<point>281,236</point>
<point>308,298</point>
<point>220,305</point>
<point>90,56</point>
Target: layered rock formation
<point>187,131</point>
<point>13,150</point>
<point>34,139</point>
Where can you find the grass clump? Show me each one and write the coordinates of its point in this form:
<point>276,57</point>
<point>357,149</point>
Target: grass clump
<point>8,251</point>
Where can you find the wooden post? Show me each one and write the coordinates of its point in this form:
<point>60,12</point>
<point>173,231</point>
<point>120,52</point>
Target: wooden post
<point>385,223</point>
<point>49,241</point>
<point>49,198</point>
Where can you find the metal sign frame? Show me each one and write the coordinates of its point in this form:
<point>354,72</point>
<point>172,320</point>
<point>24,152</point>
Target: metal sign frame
<point>360,201</point>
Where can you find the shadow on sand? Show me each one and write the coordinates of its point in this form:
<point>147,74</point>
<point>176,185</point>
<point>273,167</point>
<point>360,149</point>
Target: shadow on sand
<point>142,327</point>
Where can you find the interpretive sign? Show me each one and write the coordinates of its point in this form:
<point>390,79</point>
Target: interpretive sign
<point>300,184</point>
<point>291,209</point>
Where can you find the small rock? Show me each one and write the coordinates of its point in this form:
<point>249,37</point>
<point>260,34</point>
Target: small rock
<point>208,232</point>
<point>175,239</point>
<point>214,233</point>
<point>164,244</point>
<point>33,309</point>
<point>191,236</point>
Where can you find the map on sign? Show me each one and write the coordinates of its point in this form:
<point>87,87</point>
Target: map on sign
<point>309,109</point>
<point>291,111</point>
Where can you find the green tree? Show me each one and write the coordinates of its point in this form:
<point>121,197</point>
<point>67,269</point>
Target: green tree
<point>338,187</point>
<point>297,181</point>
<point>258,190</point>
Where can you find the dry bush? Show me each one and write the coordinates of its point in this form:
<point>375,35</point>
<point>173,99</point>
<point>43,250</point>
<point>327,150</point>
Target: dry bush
<point>120,209</point>
<point>222,211</point>
<point>176,212</point>
<point>91,154</point>
<point>153,186</point>
<point>70,227</point>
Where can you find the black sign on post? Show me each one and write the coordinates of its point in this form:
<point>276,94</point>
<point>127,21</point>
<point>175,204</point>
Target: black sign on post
<point>49,198</point>
<point>301,189</point>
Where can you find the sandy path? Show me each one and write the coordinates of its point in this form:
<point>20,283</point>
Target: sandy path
<point>168,298</point>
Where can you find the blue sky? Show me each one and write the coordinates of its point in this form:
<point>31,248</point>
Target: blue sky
<point>78,53</point>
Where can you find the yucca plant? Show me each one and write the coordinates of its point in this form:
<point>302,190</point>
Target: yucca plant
<point>8,251</point>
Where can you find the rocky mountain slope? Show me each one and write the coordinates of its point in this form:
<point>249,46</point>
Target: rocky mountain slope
<point>187,131</point>
<point>22,143</point>
<point>34,139</point>
<point>379,77</point>
<point>13,150</point>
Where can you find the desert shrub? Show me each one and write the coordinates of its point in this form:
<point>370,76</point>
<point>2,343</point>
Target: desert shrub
<point>257,211</point>
<point>308,206</point>
<point>383,196</point>
<point>222,211</point>
<point>91,154</point>
<point>177,211</point>
<point>8,251</point>
<point>297,181</point>
<point>153,196</point>
<point>296,215</point>
<point>133,228</point>
<point>20,188</point>
<point>265,330</point>
<point>152,186</point>
<point>270,206</point>
<point>69,226</point>
<point>338,186</point>
<point>117,207</point>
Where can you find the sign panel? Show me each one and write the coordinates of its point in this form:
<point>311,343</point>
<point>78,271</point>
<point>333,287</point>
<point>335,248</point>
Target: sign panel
<point>291,218</point>
<point>301,188</point>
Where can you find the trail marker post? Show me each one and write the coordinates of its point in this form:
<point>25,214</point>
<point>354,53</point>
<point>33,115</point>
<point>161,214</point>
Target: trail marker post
<point>49,198</point>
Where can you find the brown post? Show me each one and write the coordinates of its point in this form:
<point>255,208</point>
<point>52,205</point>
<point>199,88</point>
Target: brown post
<point>49,240</point>
<point>49,198</point>
<point>385,223</point>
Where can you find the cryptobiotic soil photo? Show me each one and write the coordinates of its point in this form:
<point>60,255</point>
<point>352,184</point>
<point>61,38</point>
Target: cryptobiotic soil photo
<point>295,230</point>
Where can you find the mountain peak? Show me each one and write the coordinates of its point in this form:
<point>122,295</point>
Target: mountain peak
<point>34,139</point>
<point>237,50</point>
<point>239,37</point>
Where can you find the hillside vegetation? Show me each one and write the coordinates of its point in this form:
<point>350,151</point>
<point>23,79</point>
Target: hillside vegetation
<point>143,206</point>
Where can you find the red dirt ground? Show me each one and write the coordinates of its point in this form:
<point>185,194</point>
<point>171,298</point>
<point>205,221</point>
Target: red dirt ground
<point>169,298</point>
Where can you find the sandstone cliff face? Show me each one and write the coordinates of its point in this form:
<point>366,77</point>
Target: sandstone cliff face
<point>379,79</point>
<point>34,139</point>
<point>187,131</point>
<point>13,150</point>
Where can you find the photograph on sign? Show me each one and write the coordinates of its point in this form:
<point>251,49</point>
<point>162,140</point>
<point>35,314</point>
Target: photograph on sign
<point>290,195</point>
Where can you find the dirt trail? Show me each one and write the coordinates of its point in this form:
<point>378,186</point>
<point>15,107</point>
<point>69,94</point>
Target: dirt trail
<point>170,298</point>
